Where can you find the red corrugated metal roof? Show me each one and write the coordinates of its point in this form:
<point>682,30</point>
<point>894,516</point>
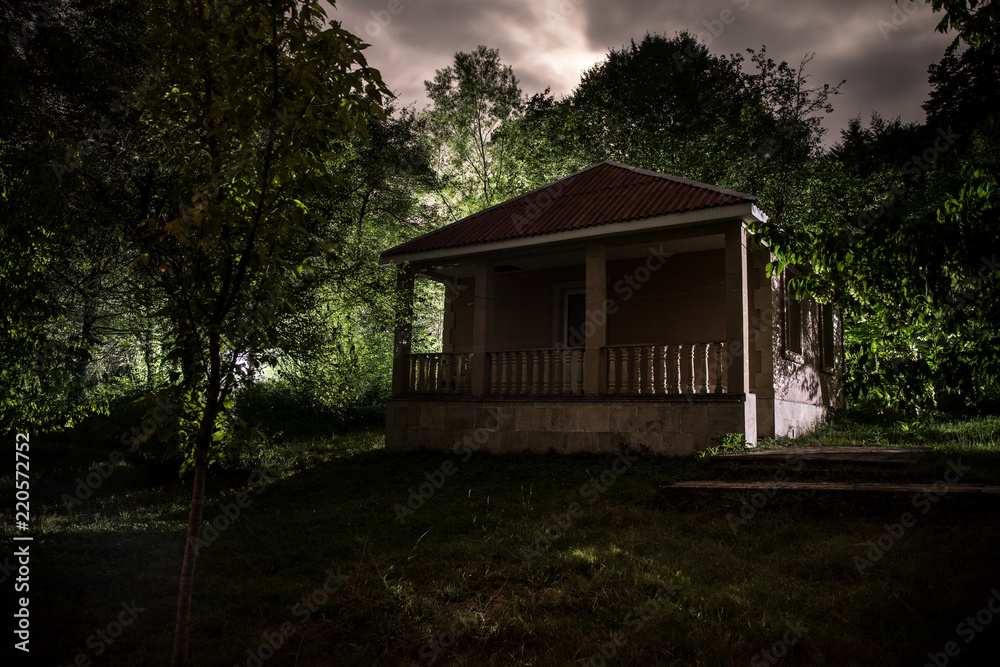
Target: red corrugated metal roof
<point>605,193</point>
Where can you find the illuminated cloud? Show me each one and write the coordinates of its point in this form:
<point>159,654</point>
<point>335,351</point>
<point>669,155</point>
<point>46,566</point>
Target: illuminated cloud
<point>881,48</point>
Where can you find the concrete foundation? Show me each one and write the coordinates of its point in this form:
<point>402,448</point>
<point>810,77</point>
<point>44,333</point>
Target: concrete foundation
<point>792,419</point>
<point>672,426</point>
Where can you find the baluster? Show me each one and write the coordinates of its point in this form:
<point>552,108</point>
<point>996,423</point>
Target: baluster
<point>503,373</point>
<point>726,365</point>
<point>515,373</point>
<point>677,369</point>
<point>525,384</point>
<point>651,368</point>
<point>494,373</point>
<point>563,384</point>
<point>624,371</point>
<point>637,366</point>
<point>640,371</point>
<point>665,363</point>
<point>718,367</point>
<point>421,374</point>
<point>573,370</point>
<point>563,371</point>
<point>612,352</point>
<point>467,373</point>
<point>533,379</point>
<point>546,363</point>
<point>690,364</point>
<point>704,371</point>
<point>577,371</point>
<point>659,370</point>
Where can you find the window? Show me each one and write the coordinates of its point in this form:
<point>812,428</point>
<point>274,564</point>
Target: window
<point>792,322</point>
<point>574,318</point>
<point>828,337</point>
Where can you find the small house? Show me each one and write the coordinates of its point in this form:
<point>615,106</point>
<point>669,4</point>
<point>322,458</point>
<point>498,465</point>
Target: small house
<point>614,307</point>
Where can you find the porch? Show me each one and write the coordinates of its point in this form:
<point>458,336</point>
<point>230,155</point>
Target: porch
<point>627,331</point>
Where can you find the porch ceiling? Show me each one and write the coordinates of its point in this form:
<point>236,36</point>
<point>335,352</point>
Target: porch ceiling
<point>534,258</point>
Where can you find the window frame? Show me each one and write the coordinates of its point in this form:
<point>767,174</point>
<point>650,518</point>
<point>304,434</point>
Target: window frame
<point>789,350</point>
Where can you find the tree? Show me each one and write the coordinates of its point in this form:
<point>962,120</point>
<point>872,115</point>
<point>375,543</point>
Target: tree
<point>65,192</point>
<point>475,102</point>
<point>975,21</point>
<point>666,104</point>
<point>338,343</point>
<point>909,254</point>
<point>250,102</point>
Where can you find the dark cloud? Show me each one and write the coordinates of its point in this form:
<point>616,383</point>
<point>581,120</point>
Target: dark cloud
<point>881,48</point>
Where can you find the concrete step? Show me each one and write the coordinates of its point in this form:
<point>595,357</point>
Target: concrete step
<point>885,456</point>
<point>937,489</point>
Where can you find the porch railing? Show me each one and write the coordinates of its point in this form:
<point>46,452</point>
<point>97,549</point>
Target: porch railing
<point>440,373</point>
<point>553,371</point>
<point>691,368</point>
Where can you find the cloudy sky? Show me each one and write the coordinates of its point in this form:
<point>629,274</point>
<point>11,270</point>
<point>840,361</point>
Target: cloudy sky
<point>880,47</point>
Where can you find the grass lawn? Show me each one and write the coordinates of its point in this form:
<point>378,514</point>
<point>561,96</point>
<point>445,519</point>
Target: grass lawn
<point>513,560</point>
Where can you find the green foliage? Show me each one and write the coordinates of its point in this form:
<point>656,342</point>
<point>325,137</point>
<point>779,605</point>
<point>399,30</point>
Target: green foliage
<point>245,130</point>
<point>729,443</point>
<point>476,102</point>
<point>69,330</point>
<point>975,21</point>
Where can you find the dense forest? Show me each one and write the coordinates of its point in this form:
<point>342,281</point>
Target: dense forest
<point>194,195</point>
<point>163,213</point>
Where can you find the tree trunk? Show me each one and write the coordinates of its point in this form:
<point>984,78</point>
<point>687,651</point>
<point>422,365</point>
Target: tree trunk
<point>182,626</point>
<point>206,430</point>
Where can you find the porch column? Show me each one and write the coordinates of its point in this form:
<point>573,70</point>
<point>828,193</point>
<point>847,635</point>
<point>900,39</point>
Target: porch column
<point>595,327</point>
<point>737,304</point>
<point>482,316</point>
<point>403,339</point>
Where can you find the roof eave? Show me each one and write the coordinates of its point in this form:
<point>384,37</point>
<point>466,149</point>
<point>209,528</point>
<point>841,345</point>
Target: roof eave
<point>746,211</point>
